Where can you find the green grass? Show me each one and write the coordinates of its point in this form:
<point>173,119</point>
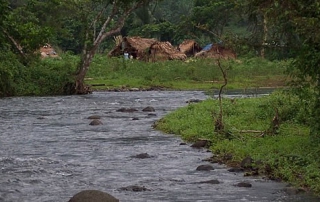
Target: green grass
<point>50,76</point>
<point>289,153</point>
<point>193,74</point>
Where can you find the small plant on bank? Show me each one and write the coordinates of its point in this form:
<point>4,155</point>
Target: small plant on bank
<point>218,124</point>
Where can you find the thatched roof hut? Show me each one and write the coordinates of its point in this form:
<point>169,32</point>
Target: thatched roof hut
<point>189,47</point>
<point>160,51</point>
<point>136,47</point>
<point>48,51</point>
<point>217,51</point>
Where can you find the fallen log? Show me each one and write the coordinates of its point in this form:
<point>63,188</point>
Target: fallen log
<point>251,131</point>
<point>98,84</point>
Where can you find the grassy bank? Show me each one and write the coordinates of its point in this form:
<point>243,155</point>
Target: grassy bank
<point>193,74</point>
<point>287,154</point>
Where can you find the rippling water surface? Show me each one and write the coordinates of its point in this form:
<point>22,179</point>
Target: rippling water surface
<point>49,152</point>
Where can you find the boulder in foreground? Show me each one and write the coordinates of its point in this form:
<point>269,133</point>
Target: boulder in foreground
<point>93,196</point>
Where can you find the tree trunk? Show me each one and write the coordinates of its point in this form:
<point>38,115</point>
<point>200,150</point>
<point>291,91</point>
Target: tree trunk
<point>265,35</point>
<point>89,52</point>
<point>80,87</point>
<point>15,43</point>
<point>315,125</point>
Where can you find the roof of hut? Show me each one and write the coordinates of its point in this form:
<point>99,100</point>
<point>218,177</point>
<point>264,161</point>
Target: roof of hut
<point>217,51</point>
<point>165,51</point>
<point>189,46</point>
<point>139,43</point>
<point>48,51</point>
<point>129,44</point>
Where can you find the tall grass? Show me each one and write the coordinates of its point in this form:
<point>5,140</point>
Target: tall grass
<point>191,74</point>
<point>49,76</point>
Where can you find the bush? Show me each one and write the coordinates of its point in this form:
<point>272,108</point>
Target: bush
<point>48,76</point>
<point>40,77</point>
<point>9,68</point>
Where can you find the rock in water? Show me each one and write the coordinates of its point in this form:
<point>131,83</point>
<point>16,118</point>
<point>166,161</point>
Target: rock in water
<point>205,168</point>
<point>200,143</point>
<point>95,122</point>
<point>93,196</point>
<point>243,184</point>
<point>148,109</point>
<point>94,117</point>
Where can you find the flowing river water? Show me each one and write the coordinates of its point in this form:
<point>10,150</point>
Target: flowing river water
<point>49,152</point>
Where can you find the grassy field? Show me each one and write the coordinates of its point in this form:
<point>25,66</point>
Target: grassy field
<point>193,74</point>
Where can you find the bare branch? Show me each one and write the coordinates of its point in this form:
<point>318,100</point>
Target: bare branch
<point>202,27</point>
<point>15,43</point>
<point>99,15</point>
<point>219,126</point>
<point>104,26</point>
<point>251,131</point>
<point>120,24</point>
<point>224,77</point>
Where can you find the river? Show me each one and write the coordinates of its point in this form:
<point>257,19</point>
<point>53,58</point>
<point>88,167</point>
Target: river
<point>49,152</point>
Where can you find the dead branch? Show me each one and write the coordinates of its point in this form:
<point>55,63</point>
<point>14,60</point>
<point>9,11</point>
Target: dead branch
<point>274,126</point>
<point>251,131</point>
<point>219,126</point>
<point>204,28</point>
<point>275,123</point>
<point>15,43</point>
<point>102,35</point>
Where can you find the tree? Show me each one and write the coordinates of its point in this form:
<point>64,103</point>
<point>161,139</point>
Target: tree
<point>305,17</point>
<point>30,24</point>
<point>295,24</point>
<point>258,14</point>
<point>4,10</point>
<point>272,32</point>
<point>160,20</point>
<point>212,16</point>
<point>102,19</point>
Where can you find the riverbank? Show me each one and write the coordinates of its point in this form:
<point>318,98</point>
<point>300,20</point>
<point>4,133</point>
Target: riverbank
<point>266,136</point>
<point>56,152</point>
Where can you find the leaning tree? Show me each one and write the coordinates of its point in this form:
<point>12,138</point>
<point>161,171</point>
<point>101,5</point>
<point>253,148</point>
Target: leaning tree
<point>101,19</point>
